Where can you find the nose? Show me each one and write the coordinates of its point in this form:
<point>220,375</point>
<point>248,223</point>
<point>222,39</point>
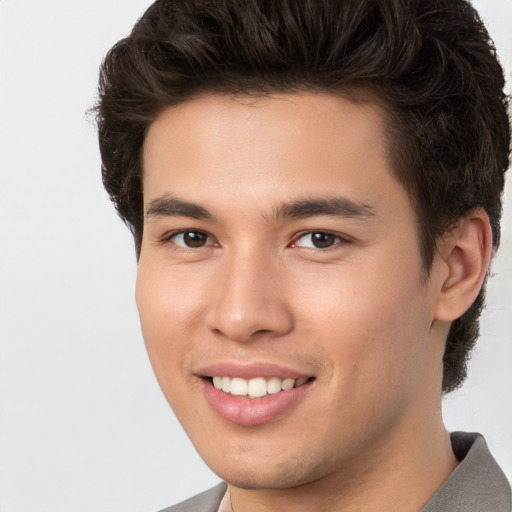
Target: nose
<point>250,301</point>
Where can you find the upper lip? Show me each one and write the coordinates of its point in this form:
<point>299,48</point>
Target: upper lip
<point>250,370</point>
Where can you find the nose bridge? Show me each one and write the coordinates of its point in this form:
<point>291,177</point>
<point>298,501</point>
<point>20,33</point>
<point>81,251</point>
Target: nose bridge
<point>250,302</point>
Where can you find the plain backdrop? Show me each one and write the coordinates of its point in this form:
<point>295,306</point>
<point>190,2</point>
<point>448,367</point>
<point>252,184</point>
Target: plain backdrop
<point>83,424</point>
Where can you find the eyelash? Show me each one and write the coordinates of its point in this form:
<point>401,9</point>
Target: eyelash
<point>338,239</point>
<point>168,238</point>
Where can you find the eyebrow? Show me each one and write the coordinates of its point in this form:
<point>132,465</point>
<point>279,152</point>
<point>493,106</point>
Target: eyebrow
<point>330,206</point>
<point>169,206</point>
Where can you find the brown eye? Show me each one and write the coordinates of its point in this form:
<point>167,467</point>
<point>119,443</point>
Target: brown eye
<point>191,239</point>
<point>323,240</point>
<point>318,240</point>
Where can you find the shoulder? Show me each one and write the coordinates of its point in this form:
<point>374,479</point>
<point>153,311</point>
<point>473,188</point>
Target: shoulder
<point>207,501</point>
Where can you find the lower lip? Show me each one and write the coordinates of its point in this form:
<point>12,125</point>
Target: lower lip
<point>250,412</point>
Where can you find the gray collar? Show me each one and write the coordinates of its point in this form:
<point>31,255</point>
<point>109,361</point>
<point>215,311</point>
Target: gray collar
<point>477,484</point>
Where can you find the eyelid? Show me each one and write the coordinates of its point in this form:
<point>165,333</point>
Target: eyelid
<point>342,239</point>
<point>169,235</point>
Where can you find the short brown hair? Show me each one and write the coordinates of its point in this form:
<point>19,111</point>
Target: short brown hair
<point>431,64</point>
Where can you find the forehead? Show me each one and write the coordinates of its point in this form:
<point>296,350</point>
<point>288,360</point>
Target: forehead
<point>246,151</point>
<point>213,120</point>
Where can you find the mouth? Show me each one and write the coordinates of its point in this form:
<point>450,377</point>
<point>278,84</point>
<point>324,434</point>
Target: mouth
<point>253,395</point>
<point>257,387</point>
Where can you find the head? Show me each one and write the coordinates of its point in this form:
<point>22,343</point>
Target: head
<point>229,130</point>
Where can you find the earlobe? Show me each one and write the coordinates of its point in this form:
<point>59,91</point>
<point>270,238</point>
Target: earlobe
<point>465,255</point>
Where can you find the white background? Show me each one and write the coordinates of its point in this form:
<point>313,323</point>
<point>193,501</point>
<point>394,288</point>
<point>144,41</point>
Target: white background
<point>83,425</point>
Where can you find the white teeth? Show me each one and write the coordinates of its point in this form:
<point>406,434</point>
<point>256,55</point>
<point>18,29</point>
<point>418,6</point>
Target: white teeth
<point>226,384</point>
<point>287,384</point>
<point>273,385</point>
<point>238,387</point>
<point>257,387</point>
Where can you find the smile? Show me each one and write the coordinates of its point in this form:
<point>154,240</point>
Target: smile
<point>257,387</point>
<point>254,400</point>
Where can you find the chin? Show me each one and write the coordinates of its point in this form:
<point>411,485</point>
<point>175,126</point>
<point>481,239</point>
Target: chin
<point>272,475</point>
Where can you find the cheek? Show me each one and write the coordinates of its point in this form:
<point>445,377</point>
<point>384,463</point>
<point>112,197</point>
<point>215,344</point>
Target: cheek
<point>169,309</point>
<point>373,327</point>
<point>167,298</point>
<point>396,350</point>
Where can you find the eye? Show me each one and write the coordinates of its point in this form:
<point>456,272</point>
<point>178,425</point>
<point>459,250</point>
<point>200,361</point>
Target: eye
<point>191,239</point>
<point>317,240</point>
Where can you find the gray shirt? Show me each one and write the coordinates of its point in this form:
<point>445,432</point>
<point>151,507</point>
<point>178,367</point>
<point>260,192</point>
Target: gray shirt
<point>477,484</point>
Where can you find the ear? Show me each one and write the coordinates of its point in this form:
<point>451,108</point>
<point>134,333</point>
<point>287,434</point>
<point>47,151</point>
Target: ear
<point>464,256</point>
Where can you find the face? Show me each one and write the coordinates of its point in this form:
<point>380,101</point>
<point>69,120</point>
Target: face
<point>280,287</point>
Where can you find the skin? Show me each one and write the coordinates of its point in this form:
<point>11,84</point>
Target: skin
<point>360,316</point>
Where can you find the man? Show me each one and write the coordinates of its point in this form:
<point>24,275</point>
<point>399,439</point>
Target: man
<point>314,191</point>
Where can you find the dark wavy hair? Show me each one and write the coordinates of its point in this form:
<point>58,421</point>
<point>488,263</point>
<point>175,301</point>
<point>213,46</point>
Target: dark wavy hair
<point>430,64</point>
